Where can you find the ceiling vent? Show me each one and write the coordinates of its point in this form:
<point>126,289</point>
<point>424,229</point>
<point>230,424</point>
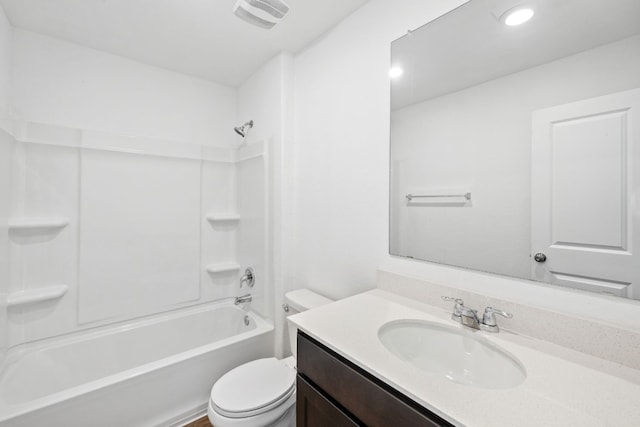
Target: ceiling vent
<point>261,13</point>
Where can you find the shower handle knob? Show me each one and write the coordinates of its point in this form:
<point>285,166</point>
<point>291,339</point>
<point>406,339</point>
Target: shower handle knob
<point>540,257</point>
<point>249,278</point>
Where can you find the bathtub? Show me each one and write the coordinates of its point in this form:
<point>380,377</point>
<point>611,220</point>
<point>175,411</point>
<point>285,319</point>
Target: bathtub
<point>152,372</point>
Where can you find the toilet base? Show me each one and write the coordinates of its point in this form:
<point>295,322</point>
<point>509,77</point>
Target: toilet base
<point>282,416</point>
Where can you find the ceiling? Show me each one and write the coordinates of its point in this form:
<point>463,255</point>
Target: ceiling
<point>202,38</point>
<point>470,45</point>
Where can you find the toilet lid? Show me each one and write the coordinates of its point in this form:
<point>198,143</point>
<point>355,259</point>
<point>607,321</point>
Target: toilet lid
<point>253,388</point>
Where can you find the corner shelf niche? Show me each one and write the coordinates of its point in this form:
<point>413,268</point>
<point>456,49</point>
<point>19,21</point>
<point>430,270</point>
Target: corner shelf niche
<point>220,218</point>
<point>38,224</point>
<point>33,296</point>
<point>223,267</point>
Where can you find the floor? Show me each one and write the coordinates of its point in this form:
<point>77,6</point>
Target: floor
<point>201,422</point>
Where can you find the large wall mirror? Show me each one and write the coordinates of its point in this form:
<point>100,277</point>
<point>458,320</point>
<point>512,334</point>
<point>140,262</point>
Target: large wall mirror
<point>515,149</point>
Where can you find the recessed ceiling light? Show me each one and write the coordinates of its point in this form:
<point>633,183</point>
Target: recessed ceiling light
<point>517,16</point>
<point>395,72</point>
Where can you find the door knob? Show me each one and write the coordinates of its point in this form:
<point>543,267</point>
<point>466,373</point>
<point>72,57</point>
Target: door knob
<point>540,257</point>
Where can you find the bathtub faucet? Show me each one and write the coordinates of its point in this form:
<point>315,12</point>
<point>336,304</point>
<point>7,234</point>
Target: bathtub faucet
<point>242,299</point>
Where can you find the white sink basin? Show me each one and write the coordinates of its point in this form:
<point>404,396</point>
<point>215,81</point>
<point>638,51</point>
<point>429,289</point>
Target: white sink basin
<point>452,352</point>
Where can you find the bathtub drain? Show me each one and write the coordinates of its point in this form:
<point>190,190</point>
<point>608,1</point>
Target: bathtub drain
<point>246,320</point>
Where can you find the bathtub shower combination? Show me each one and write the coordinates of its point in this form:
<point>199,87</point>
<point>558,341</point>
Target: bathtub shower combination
<point>145,372</point>
<point>123,259</point>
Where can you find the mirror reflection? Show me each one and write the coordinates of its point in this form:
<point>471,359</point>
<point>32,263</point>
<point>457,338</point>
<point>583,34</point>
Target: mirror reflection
<point>515,149</point>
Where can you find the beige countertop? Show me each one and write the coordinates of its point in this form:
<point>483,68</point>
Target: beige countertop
<point>563,387</point>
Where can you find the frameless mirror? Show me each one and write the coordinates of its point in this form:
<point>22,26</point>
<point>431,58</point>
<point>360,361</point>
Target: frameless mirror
<point>515,149</point>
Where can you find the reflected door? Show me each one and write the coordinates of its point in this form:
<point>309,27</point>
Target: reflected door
<point>585,186</point>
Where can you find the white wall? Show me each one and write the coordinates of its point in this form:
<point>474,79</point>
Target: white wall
<point>6,145</point>
<point>342,165</point>
<point>6,148</point>
<point>60,83</point>
<point>489,155</point>
<point>342,146</point>
<point>266,98</point>
<point>6,39</point>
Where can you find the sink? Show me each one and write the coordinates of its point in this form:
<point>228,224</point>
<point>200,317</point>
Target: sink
<point>454,353</point>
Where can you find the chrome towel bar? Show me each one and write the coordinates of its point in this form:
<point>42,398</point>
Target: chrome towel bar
<point>411,196</point>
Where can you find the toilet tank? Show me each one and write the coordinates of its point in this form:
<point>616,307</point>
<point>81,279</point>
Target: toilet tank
<point>298,301</point>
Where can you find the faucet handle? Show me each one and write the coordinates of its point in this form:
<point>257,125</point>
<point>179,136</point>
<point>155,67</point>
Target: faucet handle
<point>249,278</point>
<point>489,318</point>
<point>457,309</point>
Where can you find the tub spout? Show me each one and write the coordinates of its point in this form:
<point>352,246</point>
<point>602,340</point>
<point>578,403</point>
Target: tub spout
<point>243,299</point>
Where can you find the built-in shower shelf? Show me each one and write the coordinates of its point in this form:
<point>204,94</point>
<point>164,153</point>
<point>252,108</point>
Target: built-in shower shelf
<point>223,267</point>
<point>213,218</point>
<point>33,296</point>
<point>38,224</point>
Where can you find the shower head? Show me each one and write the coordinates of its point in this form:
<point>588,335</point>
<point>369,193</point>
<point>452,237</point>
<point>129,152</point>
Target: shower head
<point>242,130</point>
<point>261,13</point>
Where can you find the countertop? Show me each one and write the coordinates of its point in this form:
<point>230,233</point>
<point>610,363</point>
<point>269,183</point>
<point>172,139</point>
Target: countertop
<point>563,387</point>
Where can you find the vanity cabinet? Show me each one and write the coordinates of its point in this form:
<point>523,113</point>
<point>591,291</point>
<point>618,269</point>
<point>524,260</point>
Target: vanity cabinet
<point>332,391</point>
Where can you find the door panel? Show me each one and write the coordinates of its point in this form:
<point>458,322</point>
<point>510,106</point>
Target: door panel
<point>588,196</point>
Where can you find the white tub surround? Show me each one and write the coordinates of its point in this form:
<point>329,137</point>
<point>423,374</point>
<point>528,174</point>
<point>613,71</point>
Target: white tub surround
<point>562,388</point>
<point>107,301</point>
<point>99,221</point>
<point>157,371</point>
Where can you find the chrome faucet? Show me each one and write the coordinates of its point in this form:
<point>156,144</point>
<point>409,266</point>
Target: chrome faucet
<point>469,317</point>
<point>243,299</point>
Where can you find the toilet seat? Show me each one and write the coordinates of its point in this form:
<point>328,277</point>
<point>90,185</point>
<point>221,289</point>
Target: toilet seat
<point>253,388</point>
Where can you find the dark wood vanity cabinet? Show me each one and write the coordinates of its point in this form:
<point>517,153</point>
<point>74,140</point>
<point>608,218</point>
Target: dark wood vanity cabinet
<point>331,391</point>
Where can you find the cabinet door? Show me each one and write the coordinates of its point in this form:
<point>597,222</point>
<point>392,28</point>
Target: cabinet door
<point>314,410</point>
<point>367,399</point>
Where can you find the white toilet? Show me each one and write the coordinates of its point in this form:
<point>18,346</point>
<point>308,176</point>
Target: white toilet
<point>262,392</point>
